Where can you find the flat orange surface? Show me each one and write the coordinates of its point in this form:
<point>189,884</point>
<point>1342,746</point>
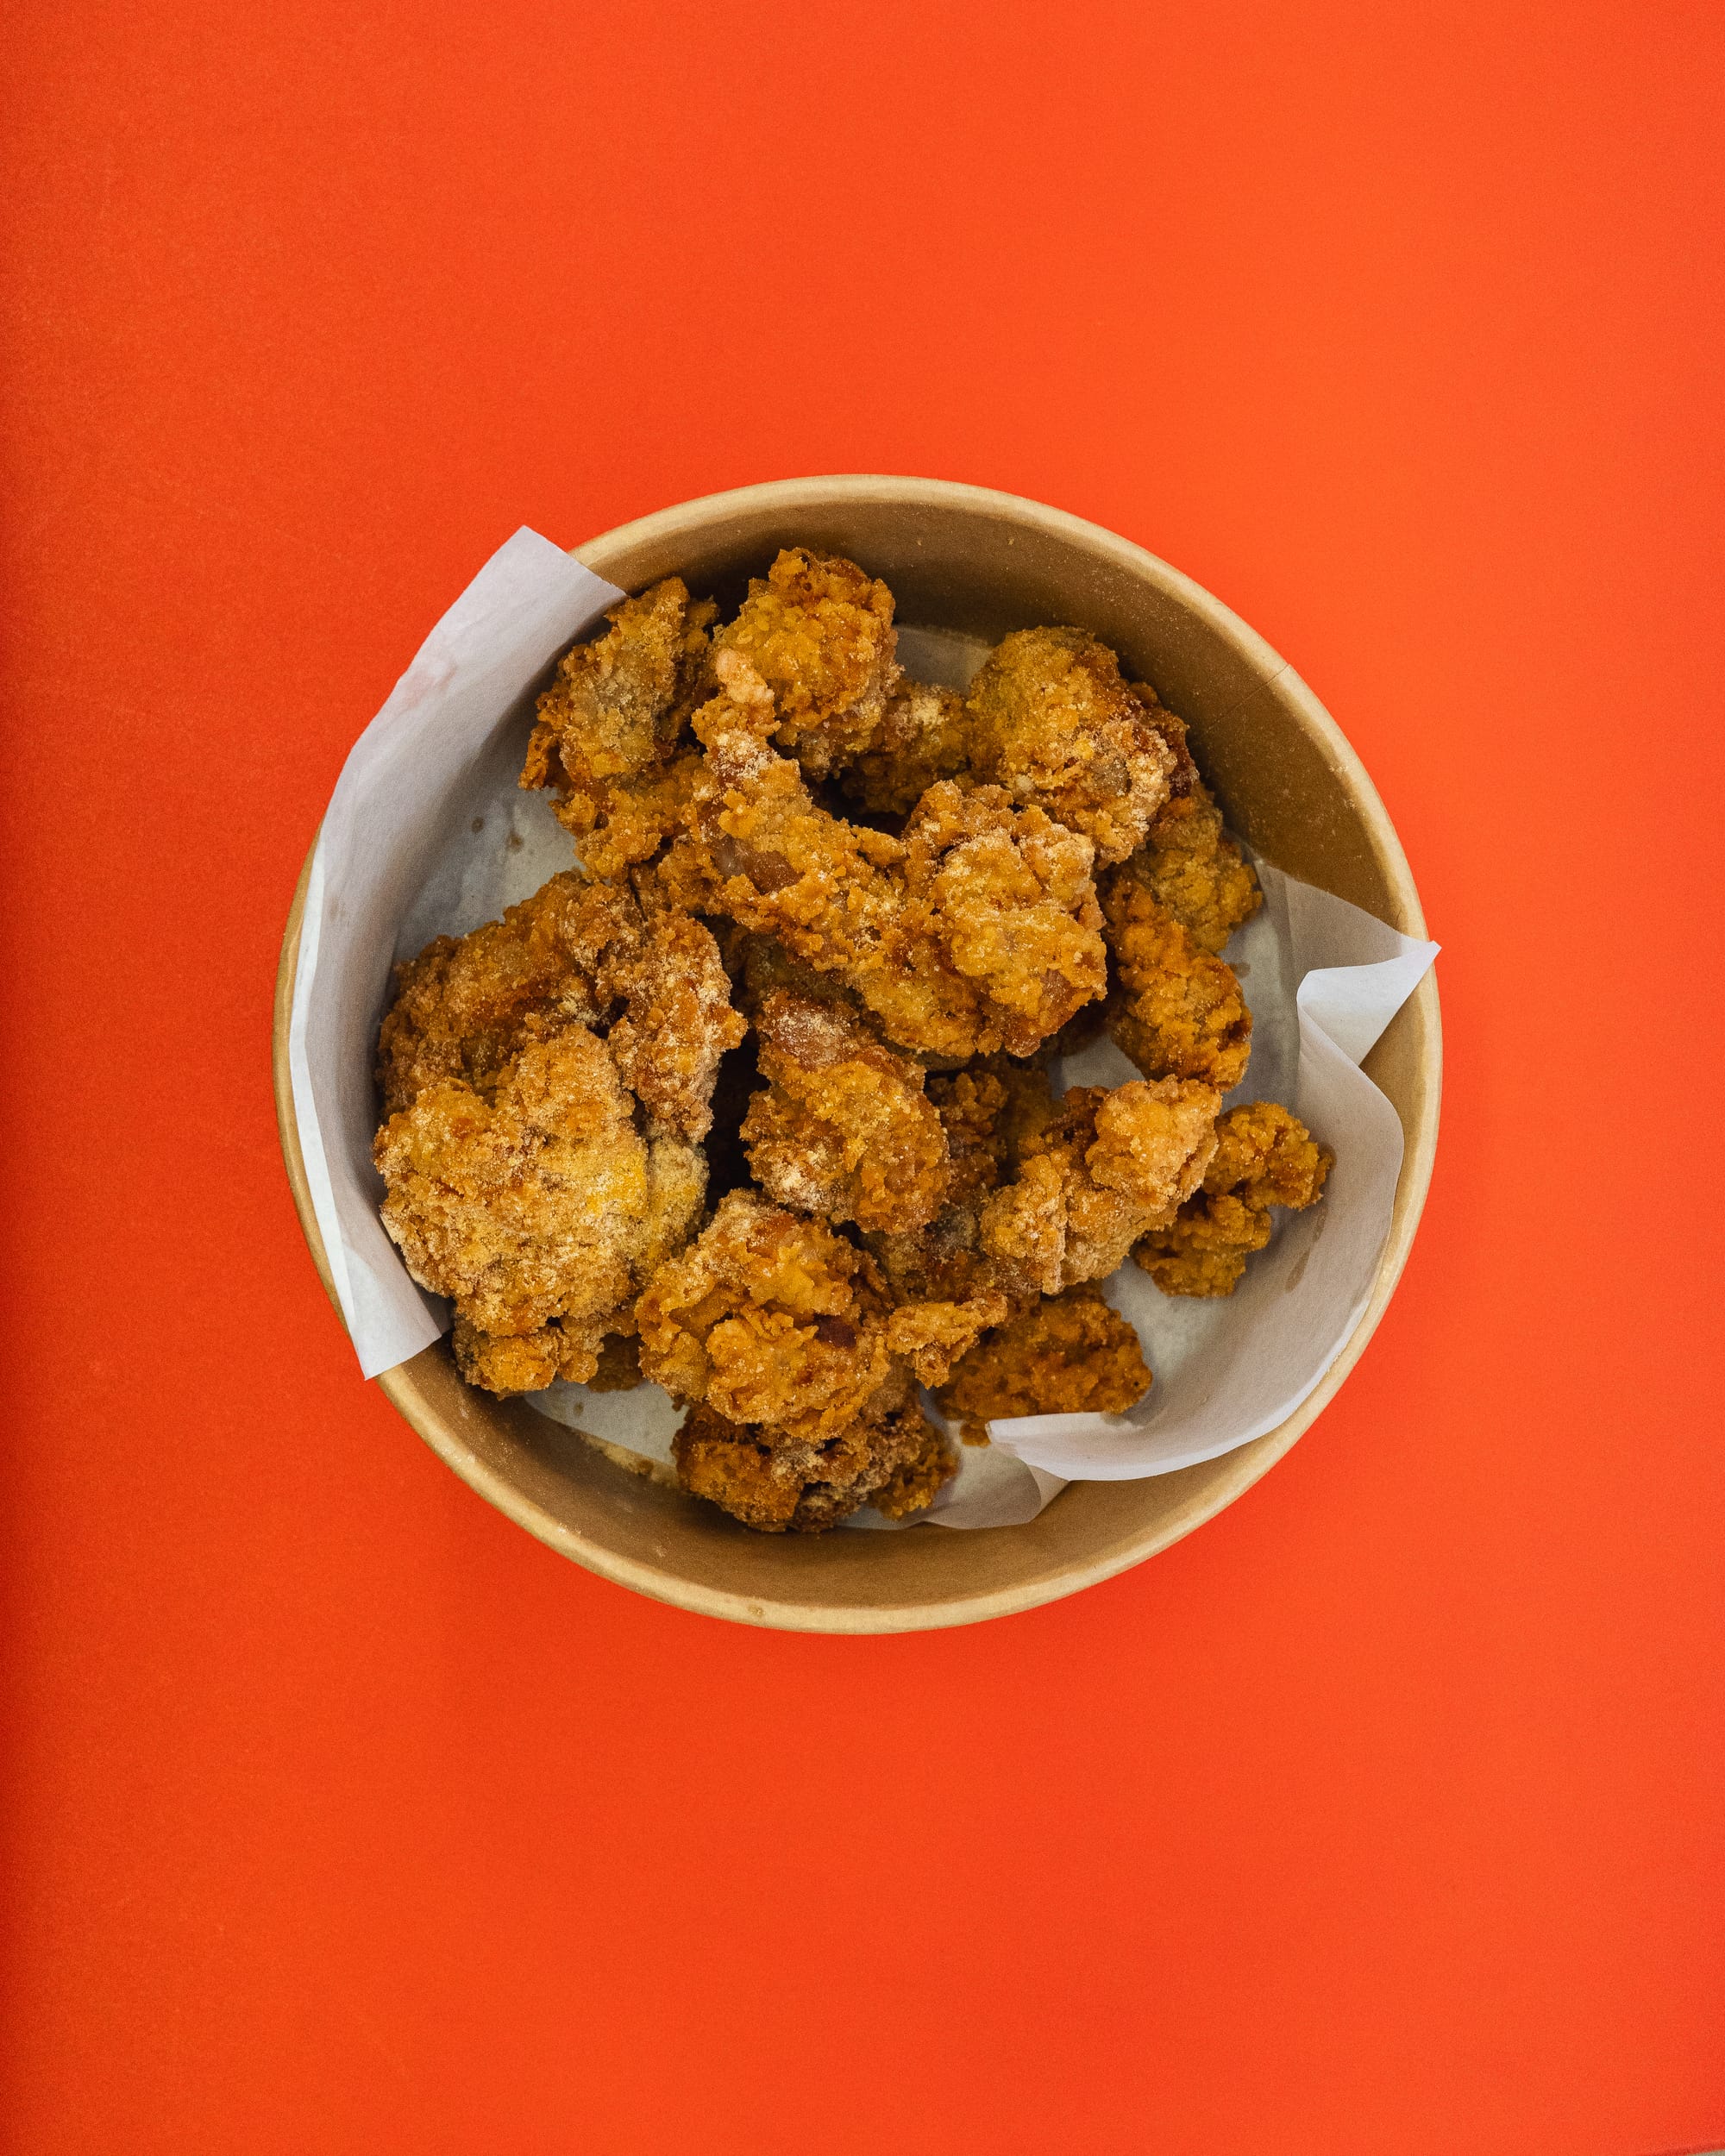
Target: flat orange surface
<point>1381,1817</point>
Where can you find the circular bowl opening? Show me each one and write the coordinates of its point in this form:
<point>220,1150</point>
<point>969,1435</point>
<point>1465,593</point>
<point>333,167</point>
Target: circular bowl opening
<point>960,560</point>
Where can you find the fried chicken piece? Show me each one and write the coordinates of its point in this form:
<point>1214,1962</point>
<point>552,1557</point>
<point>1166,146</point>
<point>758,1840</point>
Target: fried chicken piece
<point>1264,1156</point>
<point>842,1128</point>
<point>999,941</point>
<point>989,1111</point>
<point>1195,871</point>
<point>619,702</point>
<point>466,1006</point>
<point>934,1334</point>
<point>970,1104</point>
<point>1053,722</point>
<point>772,1318</point>
<point>1204,1249</point>
<point>924,737</point>
<point>978,929</point>
<point>573,954</point>
<point>677,1021</point>
<point>769,1317</point>
<point>762,965</point>
<point>1266,1153</point>
<point>1178,1011</point>
<point>760,850</point>
<point>609,726</point>
<point>1110,1166</point>
<point>525,1361</point>
<point>630,820</point>
<point>540,1203</point>
<point>898,1464</point>
<point>818,632</point>
<point>1069,1355</point>
<point>944,1261</point>
<point>1187,862</point>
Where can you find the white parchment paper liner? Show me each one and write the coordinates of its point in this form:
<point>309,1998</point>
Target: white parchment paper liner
<point>427,833</point>
<point>395,837</point>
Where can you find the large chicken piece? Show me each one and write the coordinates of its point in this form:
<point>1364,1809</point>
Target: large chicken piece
<point>539,1209</point>
<point>817,632</point>
<point>1264,1156</point>
<point>998,939</point>
<point>467,1005</point>
<point>1109,1167</point>
<point>1054,723</point>
<point>842,1128</point>
<point>978,930</point>
<point>773,1319</point>
<point>573,954</point>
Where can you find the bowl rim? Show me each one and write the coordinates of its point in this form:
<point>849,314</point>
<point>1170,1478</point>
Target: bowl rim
<point>1242,1468</point>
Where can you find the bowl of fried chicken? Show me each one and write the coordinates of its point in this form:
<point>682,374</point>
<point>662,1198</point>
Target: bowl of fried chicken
<point>884,796</point>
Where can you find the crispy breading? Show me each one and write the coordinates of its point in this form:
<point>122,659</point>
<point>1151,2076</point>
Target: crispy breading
<point>978,929</point>
<point>1172,729</point>
<point>1053,722</point>
<point>818,632</point>
<point>1178,1012</point>
<point>970,1104</point>
<point>1030,1105</point>
<point>933,1335</point>
<point>842,1128</point>
<point>772,1319</point>
<point>897,1462</point>
<point>769,1317</point>
<point>1264,1156</point>
<point>760,850</point>
<point>1110,1165</point>
<point>1265,1152</point>
<point>760,964</point>
<point>467,1005</point>
<point>630,820</point>
<point>573,954</point>
<point>542,1202</point>
<point>1204,1249</point>
<point>942,1262</point>
<point>999,941</point>
<point>610,724</point>
<point>924,737</point>
<point>1068,1354</point>
<point>619,701</point>
<point>1195,871</point>
<point>989,1110</point>
<point>527,1362</point>
<point>677,1021</point>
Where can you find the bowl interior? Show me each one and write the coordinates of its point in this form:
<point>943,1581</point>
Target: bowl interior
<point>962,560</point>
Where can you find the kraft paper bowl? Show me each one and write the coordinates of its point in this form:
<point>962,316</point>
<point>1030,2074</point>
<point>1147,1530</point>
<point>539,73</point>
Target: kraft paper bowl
<point>960,558</point>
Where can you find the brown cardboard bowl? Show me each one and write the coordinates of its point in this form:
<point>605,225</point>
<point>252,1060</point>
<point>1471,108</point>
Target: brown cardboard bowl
<point>960,558</point>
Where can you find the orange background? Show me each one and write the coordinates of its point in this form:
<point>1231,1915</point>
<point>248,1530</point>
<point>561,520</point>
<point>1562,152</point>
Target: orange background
<point>1381,1815</point>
